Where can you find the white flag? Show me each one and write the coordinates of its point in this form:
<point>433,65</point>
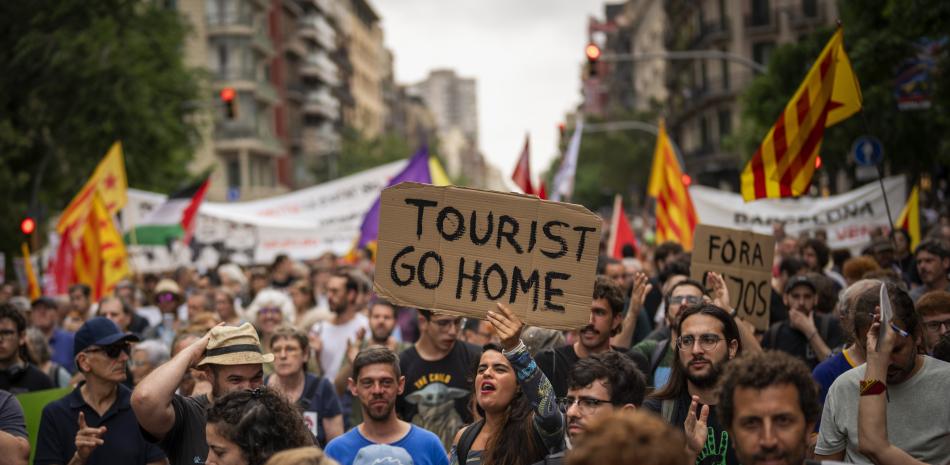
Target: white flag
<point>564,179</point>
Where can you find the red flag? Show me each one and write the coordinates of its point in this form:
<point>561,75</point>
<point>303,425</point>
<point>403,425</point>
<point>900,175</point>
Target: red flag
<point>620,232</point>
<point>522,174</point>
<point>543,192</point>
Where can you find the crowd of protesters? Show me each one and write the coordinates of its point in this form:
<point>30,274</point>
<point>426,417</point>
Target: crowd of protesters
<point>300,363</point>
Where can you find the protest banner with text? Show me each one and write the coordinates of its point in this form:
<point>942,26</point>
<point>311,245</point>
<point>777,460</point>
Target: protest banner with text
<point>459,251</point>
<point>744,259</point>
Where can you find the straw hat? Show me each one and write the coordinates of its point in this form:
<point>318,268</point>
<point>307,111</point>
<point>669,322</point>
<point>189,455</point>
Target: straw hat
<point>234,345</point>
<point>167,285</point>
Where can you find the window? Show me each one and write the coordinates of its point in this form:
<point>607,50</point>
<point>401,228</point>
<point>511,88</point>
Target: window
<point>810,8</point>
<point>760,13</point>
<point>724,69</point>
<point>233,172</point>
<point>704,134</point>
<point>223,67</point>
<point>725,123</point>
<point>723,20</point>
<point>761,51</point>
<point>703,75</point>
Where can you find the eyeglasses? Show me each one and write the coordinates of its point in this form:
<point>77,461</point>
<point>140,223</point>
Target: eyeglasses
<point>686,299</point>
<point>935,326</point>
<point>166,297</point>
<point>706,341</point>
<point>7,334</point>
<point>113,350</point>
<point>587,405</point>
<point>445,324</point>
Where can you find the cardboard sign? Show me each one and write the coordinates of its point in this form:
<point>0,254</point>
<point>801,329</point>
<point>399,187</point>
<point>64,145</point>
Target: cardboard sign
<point>744,259</point>
<point>459,251</point>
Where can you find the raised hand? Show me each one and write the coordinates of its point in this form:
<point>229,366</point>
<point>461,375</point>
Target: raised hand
<point>802,322</point>
<point>507,325</point>
<point>695,427</point>
<point>87,438</point>
<point>353,345</point>
<point>641,287</point>
<point>718,291</point>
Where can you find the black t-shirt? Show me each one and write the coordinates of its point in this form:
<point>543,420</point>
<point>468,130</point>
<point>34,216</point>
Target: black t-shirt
<point>24,378</point>
<point>782,336</point>
<point>777,310</point>
<point>557,363</point>
<point>185,443</point>
<point>438,393</point>
<point>717,449</point>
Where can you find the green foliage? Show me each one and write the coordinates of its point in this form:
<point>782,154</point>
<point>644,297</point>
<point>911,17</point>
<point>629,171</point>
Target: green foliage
<point>878,37</point>
<point>359,153</point>
<point>78,76</point>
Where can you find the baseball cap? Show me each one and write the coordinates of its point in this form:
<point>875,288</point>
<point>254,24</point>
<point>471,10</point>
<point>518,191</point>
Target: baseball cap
<point>99,331</point>
<point>382,454</point>
<point>799,281</point>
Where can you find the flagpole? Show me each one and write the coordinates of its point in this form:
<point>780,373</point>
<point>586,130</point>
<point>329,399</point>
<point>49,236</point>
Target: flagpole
<point>880,174</point>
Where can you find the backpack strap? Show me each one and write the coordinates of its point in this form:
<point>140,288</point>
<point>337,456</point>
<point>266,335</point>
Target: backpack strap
<point>466,441</point>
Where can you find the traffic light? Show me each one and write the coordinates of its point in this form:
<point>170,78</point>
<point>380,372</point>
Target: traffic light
<point>593,54</point>
<point>27,226</point>
<point>229,98</point>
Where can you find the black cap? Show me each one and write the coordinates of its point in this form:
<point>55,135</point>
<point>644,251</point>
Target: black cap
<point>44,302</point>
<point>799,281</point>
<point>99,331</point>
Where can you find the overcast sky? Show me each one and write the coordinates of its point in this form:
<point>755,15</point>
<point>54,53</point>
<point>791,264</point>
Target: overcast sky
<point>525,54</point>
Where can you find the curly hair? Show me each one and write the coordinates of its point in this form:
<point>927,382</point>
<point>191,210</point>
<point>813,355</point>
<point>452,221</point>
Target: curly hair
<point>621,377</point>
<point>605,288</point>
<point>630,437</point>
<point>762,370</point>
<point>260,422</point>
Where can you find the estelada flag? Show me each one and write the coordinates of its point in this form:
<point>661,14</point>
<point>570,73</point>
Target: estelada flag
<point>786,160</point>
<point>522,173</point>
<point>909,219</point>
<point>109,180</point>
<point>675,215</point>
<point>101,260</point>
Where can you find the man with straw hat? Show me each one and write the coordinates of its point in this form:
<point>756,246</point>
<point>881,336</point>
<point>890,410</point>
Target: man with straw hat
<point>230,358</point>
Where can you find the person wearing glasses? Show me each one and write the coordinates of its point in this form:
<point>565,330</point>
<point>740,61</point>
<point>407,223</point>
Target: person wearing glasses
<point>707,339</point>
<point>656,347</point>
<point>17,374</point>
<point>269,310</point>
<point>438,377</point>
<point>914,387</point>
<point>934,310</point>
<point>521,422</point>
<point>95,423</point>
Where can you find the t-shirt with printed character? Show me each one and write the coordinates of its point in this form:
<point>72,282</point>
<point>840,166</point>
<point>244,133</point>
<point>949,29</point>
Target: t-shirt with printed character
<point>717,450</point>
<point>437,393</point>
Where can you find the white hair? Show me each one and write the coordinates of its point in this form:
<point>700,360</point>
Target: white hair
<point>156,351</point>
<point>272,298</point>
<point>232,272</point>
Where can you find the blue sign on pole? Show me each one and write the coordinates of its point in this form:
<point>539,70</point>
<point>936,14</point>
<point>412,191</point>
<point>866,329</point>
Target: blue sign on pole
<point>234,194</point>
<point>867,151</point>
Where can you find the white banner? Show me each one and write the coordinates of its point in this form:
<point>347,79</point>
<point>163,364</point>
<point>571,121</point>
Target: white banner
<point>303,224</point>
<point>847,218</point>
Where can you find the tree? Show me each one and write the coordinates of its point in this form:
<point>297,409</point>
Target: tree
<point>78,76</point>
<point>878,36</point>
<point>359,153</point>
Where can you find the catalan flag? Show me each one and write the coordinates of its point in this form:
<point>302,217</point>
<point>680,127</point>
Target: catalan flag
<point>909,220</point>
<point>675,214</point>
<point>785,162</point>
<point>33,284</point>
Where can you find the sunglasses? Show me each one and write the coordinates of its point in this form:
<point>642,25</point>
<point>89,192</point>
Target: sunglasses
<point>268,310</point>
<point>166,297</point>
<point>112,350</point>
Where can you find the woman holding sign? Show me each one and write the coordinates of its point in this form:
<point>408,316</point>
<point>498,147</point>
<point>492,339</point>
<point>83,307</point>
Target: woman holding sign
<point>522,423</point>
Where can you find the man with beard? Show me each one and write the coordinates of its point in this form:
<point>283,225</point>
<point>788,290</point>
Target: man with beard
<point>918,419</point>
<point>769,405</point>
<point>806,334</point>
<point>94,424</point>
<point>376,382</point>
<point>438,369</point>
<point>329,339</point>
<point>230,358</point>
<point>708,337</point>
<point>606,315</point>
<point>933,264</point>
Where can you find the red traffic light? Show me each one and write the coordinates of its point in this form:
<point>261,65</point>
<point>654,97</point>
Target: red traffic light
<point>592,51</point>
<point>686,180</point>
<point>28,225</point>
<point>228,94</point>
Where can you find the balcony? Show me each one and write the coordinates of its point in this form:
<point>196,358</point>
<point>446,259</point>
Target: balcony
<point>262,43</point>
<point>319,65</point>
<point>699,97</point>
<point>317,29</point>
<point>763,24</point>
<point>810,15</point>
<point>237,136</point>
<point>320,140</point>
<point>322,103</point>
<point>224,24</point>
<point>266,92</point>
<point>712,32</point>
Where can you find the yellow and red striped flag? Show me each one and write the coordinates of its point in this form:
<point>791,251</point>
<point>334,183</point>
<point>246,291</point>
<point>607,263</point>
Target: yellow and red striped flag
<point>101,260</point>
<point>675,214</point>
<point>32,283</point>
<point>909,220</point>
<point>785,161</point>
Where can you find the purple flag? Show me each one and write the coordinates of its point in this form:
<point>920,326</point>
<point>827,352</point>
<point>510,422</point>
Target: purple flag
<point>416,171</point>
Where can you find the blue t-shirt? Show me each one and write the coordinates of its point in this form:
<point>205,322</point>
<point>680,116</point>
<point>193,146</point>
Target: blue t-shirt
<point>423,446</point>
<point>828,371</point>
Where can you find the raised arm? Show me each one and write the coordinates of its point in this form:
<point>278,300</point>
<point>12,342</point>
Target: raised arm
<point>152,398</point>
<point>641,287</point>
<point>719,295</point>
<point>872,408</point>
<point>537,388</point>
